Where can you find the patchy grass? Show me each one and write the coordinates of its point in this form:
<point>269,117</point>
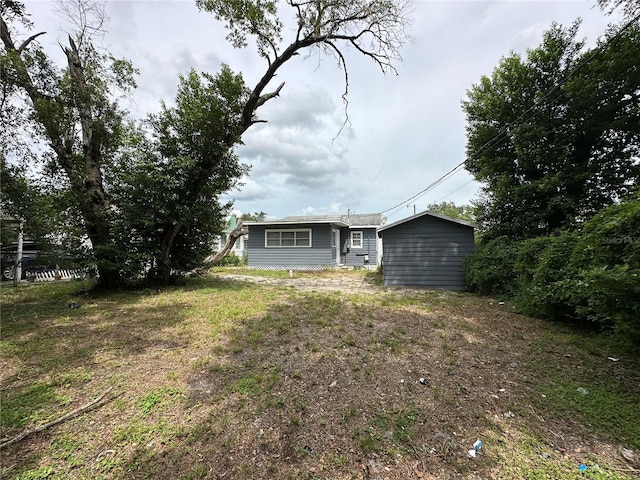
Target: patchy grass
<point>325,273</point>
<point>221,377</point>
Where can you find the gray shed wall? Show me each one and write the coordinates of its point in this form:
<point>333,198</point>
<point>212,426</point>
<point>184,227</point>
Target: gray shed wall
<point>319,255</point>
<point>426,252</point>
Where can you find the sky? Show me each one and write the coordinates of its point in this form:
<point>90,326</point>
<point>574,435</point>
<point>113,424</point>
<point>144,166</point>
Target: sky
<point>404,131</point>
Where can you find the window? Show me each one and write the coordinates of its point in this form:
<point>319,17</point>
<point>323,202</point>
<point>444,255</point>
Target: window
<point>287,238</point>
<point>356,239</point>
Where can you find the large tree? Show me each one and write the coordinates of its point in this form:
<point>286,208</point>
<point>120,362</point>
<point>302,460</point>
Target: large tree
<point>555,136</point>
<point>75,114</point>
<point>187,160</point>
<point>167,183</point>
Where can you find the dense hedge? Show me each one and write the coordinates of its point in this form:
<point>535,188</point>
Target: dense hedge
<point>492,268</point>
<point>591,274</point>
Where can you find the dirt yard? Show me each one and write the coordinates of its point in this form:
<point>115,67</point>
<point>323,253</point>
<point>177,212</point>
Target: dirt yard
<point>313,377</point>
<point>339,282</point>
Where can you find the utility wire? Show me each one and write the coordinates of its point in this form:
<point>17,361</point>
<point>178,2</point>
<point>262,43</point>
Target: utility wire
<point>429,187</point>
<point>459,188</point>
<point>503,131</point>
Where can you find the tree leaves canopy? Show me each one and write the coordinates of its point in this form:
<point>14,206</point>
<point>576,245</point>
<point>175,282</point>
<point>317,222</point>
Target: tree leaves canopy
<point>168,182</point>
<point>148,196</point>
<point>555,136</point>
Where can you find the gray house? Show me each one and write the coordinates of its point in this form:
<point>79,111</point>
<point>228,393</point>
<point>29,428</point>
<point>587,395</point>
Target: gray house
<point>314,242</point>
<point>426,250</point>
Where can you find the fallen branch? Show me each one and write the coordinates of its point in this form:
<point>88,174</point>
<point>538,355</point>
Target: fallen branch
<point>72,414</point>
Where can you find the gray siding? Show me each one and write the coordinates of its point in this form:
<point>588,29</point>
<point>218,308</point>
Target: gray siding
<point>426,252</point>
<point>319,255</point>
<point>355,256</point>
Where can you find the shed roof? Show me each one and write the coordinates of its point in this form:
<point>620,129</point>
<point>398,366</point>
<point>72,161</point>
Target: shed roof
<point>431,214</point>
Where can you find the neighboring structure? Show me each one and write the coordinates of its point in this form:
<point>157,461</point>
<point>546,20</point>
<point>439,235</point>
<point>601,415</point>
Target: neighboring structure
<point>240,247</point>
<point>315,242</point>
<point>426,250</point>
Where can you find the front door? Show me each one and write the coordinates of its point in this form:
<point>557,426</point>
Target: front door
<point>336,240</point>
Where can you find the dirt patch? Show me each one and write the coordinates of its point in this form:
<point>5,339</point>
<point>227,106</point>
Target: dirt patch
<point>246,377</point>
<point>346,283</point>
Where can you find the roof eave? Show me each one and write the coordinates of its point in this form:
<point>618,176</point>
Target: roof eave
<point>431,214</point>
<point>289,222</point>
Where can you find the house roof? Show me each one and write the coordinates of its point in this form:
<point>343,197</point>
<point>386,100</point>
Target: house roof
<point>372,220</point>
<point>431,214</point>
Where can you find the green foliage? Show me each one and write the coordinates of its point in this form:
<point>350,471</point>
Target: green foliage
<point>450,209</point>
<point>556,236</point>
<point>606,288</point>
<point>168,187</point>
<point>491,269</point>
<point>548,157</point>
<point>254,217</point>
<point>542,264</point>
<point>247,17</point>
<point>630,8</point>
<point>591,274</point>
<point>231,260</point>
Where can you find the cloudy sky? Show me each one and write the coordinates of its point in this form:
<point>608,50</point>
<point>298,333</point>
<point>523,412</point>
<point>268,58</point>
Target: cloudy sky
<point>405,130</point>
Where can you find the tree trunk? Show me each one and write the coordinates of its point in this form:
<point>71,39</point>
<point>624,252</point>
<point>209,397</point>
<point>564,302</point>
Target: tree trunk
<point>83,169</point>
<point>164,258</point>
<point>235,234</point>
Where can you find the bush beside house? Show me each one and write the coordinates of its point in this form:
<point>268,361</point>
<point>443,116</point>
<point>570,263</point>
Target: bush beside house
<point>590,274</point>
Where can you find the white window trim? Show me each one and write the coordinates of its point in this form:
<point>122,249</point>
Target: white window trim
<point>271,230</point>
<point>361,239</point>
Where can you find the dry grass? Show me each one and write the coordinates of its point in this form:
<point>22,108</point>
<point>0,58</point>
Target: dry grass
<point>224,379</point>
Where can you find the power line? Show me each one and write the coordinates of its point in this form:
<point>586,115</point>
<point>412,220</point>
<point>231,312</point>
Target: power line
<point>505,128</point>
<point>429,187</point>
<point>459,188</point>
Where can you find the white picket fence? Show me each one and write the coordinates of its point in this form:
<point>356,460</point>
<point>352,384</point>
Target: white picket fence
<point>50,276</point>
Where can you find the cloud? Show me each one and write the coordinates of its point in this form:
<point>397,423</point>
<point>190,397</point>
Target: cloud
<point>407,130</point>
<point>309,109</point>
<point>300,159</point>
<point>250,191</point>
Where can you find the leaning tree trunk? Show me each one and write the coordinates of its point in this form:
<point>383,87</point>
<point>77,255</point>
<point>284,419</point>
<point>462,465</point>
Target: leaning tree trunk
<point>235,234</point>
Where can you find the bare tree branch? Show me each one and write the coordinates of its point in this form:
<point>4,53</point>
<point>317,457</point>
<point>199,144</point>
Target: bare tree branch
<point>28,41</point>
<point>268,96</point>
<point>5,442</point>
<point>375,28</point>
<point>345,95</point>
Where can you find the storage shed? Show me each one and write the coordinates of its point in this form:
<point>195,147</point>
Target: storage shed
<point>426,250</point>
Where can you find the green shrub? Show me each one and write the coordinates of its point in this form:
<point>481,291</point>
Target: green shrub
<point>231,260</point>
<point>610,297</point>
<point>606,287</point>
<point>591,274</point>
<point>542,263</point>
<point>612,237</point>
<point>491,269</point>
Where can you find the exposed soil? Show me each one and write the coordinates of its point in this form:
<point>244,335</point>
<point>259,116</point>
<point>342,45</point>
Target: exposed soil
<point>338,379</point>
<point>347,283</point>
